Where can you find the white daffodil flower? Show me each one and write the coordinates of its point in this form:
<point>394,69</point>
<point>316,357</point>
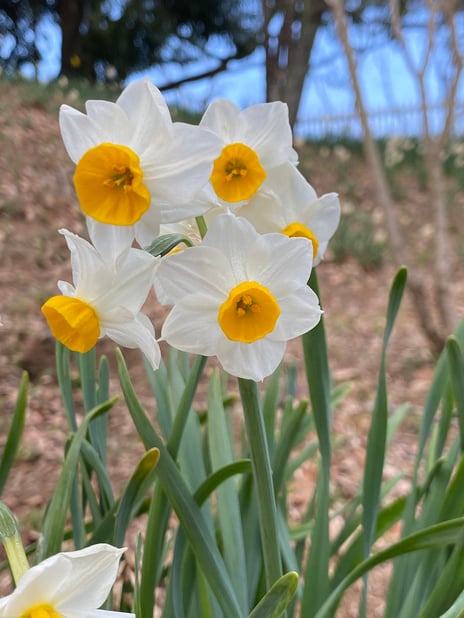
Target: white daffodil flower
<point>240,296</point>
<point>254,142</point>
<point>67,585</point>
<point>133,163</point>
<point>106,298</point>
<point>291,206</point>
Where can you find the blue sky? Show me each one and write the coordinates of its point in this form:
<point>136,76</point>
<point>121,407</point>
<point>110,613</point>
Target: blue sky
<point>385,79</point>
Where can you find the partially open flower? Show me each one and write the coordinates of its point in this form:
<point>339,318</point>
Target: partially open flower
<point>67,585</point>
<point>240,296</point>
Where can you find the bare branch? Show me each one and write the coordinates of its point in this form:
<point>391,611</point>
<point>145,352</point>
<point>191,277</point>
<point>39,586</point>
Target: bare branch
<point>416,282</point>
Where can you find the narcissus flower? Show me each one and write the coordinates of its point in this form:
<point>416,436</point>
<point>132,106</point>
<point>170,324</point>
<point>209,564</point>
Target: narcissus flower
<point>254,141</point>
<point>291,206</point>
<point>133,163</point>
<point>108,293</point>
<point>240,296</point>
<point>67,585</point>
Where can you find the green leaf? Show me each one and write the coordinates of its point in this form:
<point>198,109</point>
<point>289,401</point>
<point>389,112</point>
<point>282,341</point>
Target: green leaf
<point>62,360</point>
<point>437,536</point>
<point>377,439</point>
<point>166,243</point>
<point>15,432</point>
<point>456,363</point>
<point>319,383</point>
<point>55,517</point>
<point>274,602</point>
<point>220,442</point>
<point>190,516</point>
<point>450,583</point>
<point>262,479</point>
<point>139,482</point>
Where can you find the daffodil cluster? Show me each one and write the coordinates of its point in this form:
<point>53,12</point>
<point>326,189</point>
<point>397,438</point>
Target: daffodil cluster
<point>240,292</point>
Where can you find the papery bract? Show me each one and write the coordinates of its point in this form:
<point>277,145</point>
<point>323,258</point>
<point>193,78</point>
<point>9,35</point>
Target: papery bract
<point>240,296</point>
<point>67,585</point>
<point>106,298</point>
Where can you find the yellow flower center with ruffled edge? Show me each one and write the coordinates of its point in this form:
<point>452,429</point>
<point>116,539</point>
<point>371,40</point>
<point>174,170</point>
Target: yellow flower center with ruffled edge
<point>249,314</point>
<point>43,610</point>
<point>237,173</point>
<point>298,230</point>
<point>108,181</point>
<point>73,322</point>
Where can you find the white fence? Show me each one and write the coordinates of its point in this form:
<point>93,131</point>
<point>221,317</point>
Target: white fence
<point>405,121</point>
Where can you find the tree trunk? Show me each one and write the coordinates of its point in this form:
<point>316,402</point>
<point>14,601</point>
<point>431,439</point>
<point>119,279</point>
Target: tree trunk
<point>288,50</point>
<point>71,13</point>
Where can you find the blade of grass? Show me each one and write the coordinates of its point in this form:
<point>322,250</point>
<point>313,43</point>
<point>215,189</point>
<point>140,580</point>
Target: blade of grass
<point>55,517</point>
<point>15,432</point>
<point>377,438</point>
<point>316,578</point>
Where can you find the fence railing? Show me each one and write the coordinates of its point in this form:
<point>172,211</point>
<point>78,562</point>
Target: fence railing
<point>402,121</point>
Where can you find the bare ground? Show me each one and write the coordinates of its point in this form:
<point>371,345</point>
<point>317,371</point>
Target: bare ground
<point>37,198</point>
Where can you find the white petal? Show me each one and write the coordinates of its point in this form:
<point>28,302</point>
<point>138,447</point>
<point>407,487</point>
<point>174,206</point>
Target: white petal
<point>233,236</point>
<point>253,361</point>
<point>87,266</point>
<point>93,572</point>
<point>223,117</point>
<point>138,333</point>
<point>79,580</point>
<point>322,216</point>
<point>183,165</point>
<point>111,241</point>
<point>43,583</point>
<point>192,325</point>
<point>111,121</point>
<point>143,95</point>
<point>280,263</point>
<point>128,286</point>
<point>293,189</point>
<point>198,269</point>
<point>299,313</point>
<point>66,288</point>
<point>264,210</point>
<point>269,133</point>
<point>148,227</point>
<point>78,131</point>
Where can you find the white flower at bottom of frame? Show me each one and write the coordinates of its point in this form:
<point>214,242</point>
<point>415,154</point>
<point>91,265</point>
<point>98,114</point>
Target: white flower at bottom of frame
<point>67,585</point>
<point>106,298</point>
<point>239,296</point>
<point>290,205</point>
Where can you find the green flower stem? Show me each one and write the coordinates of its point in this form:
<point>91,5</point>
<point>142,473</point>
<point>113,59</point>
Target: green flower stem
<point>262,474</point>
<point>11,539</point>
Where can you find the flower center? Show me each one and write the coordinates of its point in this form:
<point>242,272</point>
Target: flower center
<point>237,173</point>
<point>298,230</point>
<point>73,322</point>
<point>41,611</point>
<point>249,314</point>
<point>108,181</point>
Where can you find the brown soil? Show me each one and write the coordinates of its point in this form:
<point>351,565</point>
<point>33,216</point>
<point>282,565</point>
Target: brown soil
<point>37,198</point>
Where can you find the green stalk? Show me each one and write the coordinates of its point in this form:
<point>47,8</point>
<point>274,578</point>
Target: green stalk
<point>262,475</point>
